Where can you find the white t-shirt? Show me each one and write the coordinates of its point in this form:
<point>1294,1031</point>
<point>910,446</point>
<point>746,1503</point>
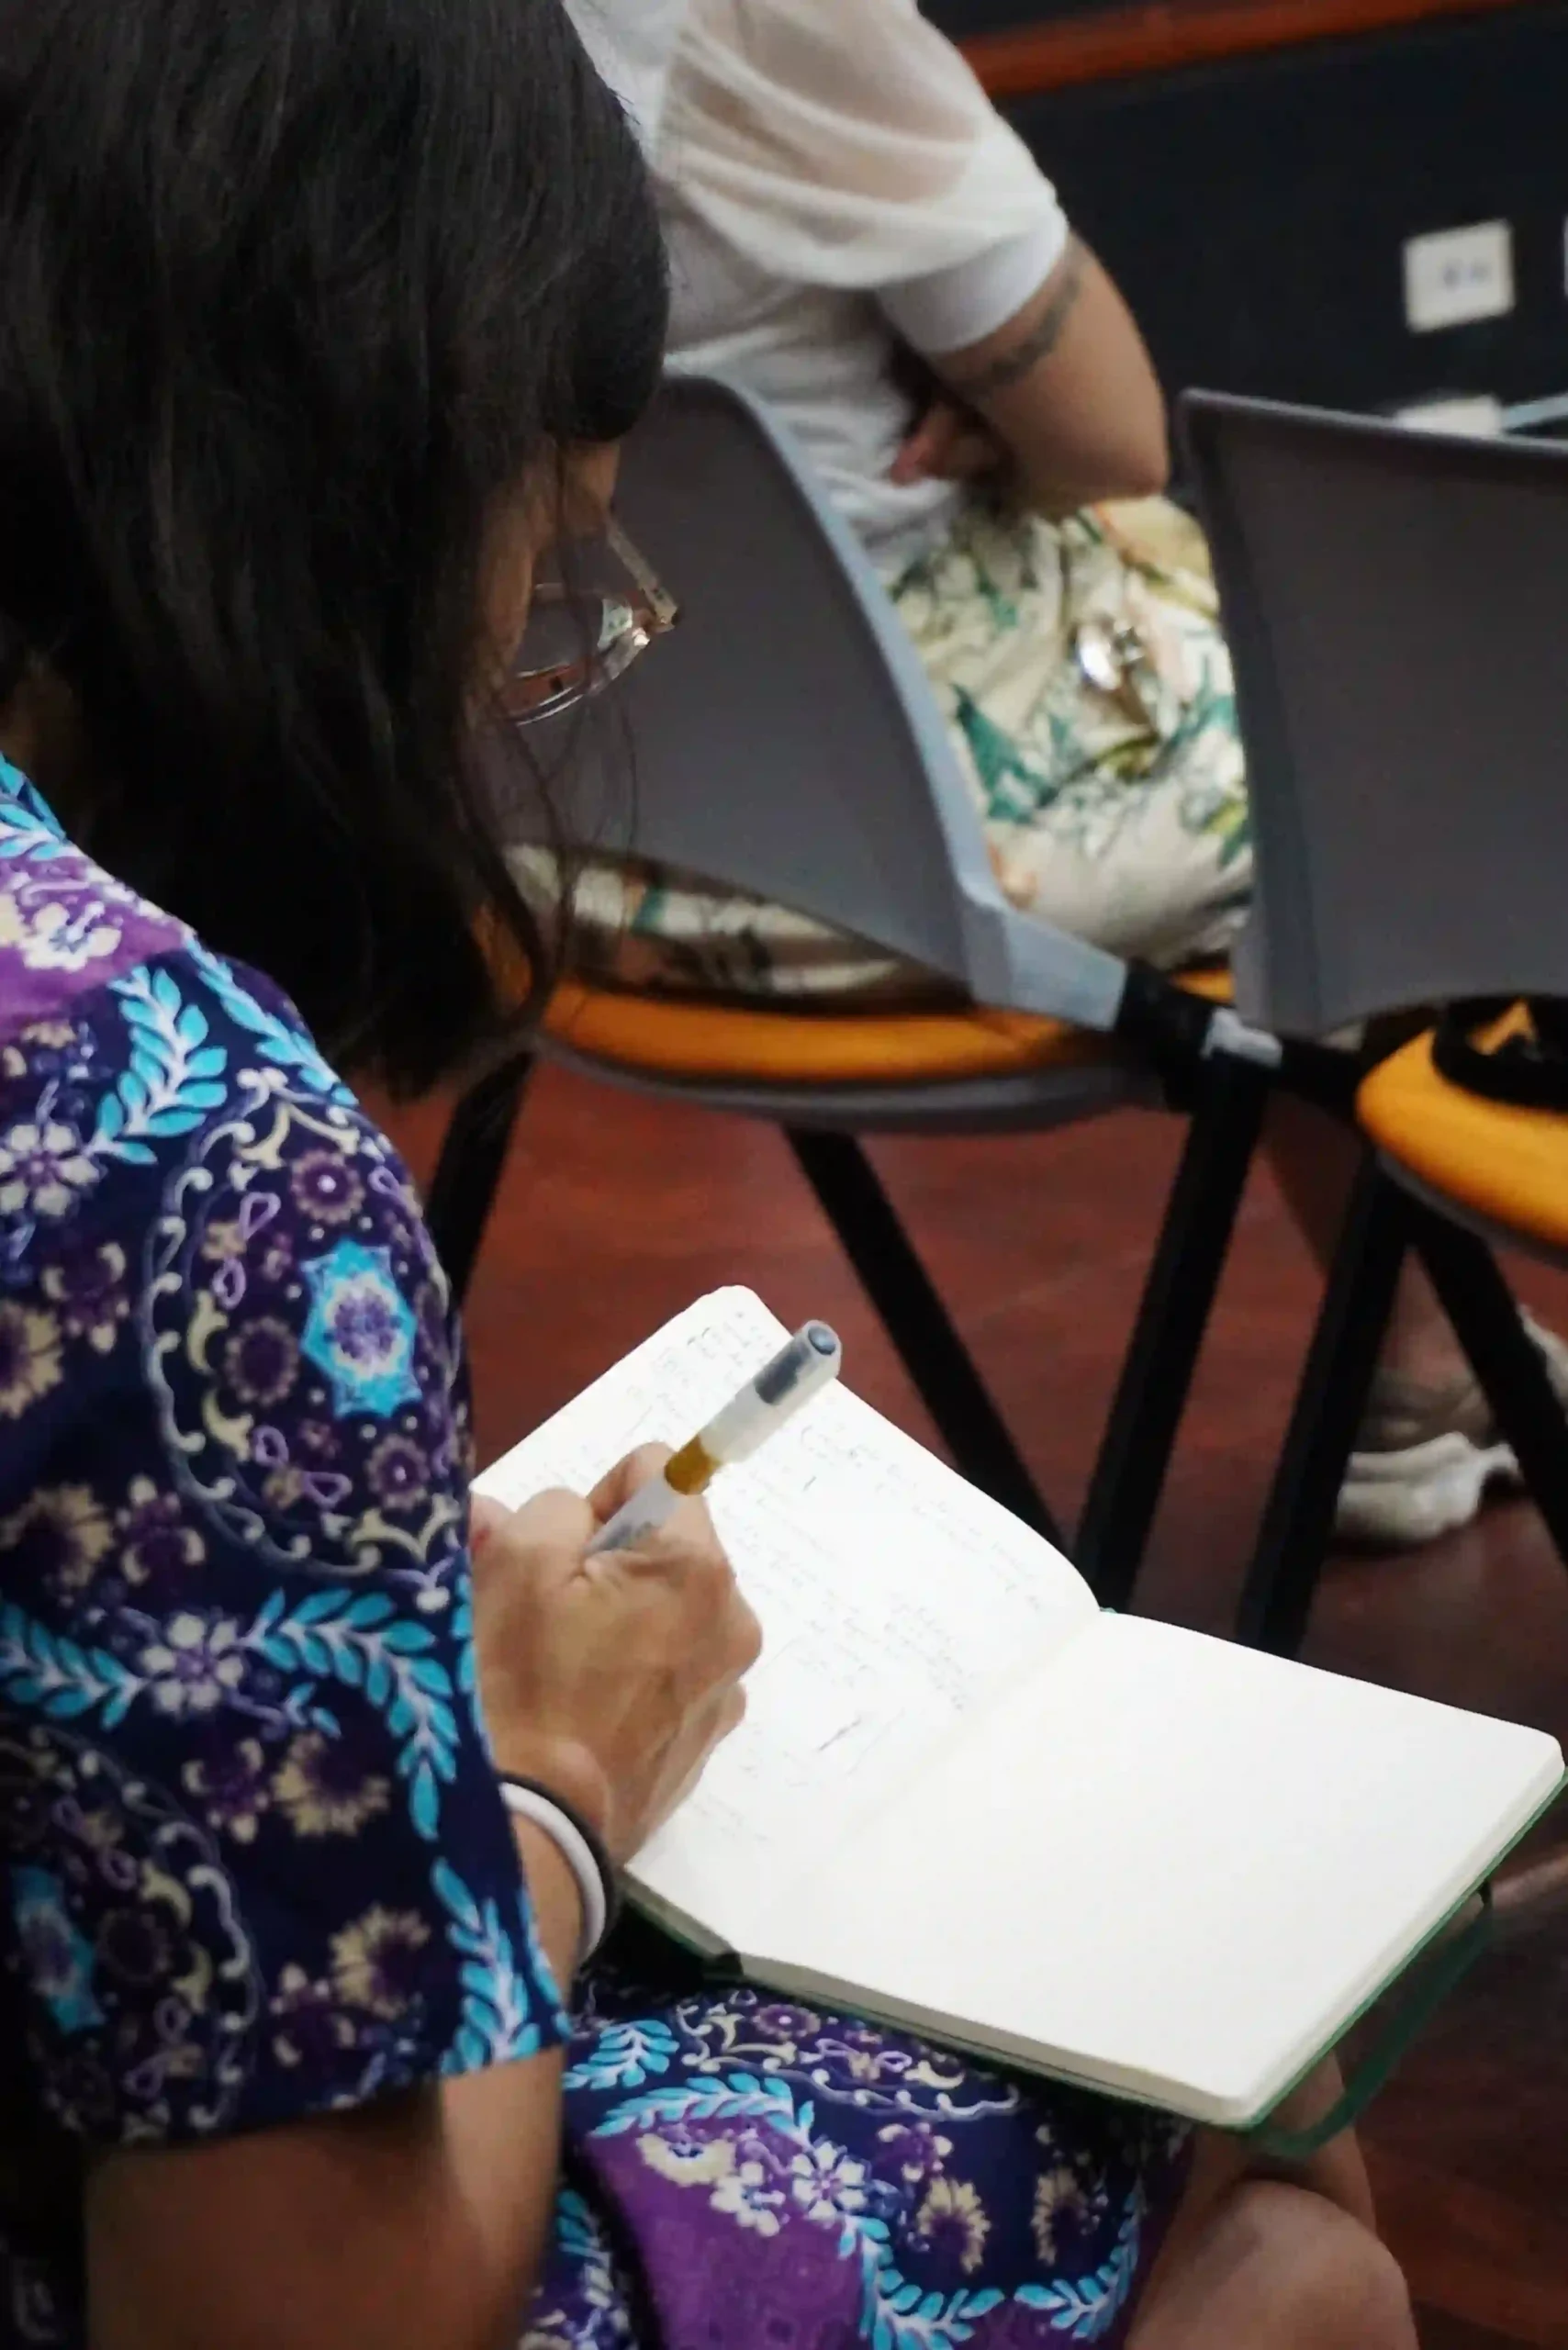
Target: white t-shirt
<point>632,42</point>
<point>832,180</point>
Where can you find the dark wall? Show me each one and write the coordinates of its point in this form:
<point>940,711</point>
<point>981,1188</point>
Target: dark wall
<point>1254,212</point>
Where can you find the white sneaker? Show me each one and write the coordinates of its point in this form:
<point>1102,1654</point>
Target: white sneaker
<point>1426,1456</point>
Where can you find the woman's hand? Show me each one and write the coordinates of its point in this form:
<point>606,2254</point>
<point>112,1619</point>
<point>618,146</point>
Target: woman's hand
<point>949,443</point>
<point>610,1679</point>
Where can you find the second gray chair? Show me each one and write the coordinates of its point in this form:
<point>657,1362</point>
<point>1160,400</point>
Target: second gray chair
<point>785,742</point>
<point>1395,603</point>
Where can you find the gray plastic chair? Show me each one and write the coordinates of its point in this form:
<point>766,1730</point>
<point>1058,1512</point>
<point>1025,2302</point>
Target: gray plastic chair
<point>785,741</point>
<point>1396,605</point>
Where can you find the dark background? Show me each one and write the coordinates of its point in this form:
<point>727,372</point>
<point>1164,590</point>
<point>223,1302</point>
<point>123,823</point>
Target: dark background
<point>1254,211</point>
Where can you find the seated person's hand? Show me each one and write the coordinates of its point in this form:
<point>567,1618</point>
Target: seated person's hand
<point>610,1679</point>
<point>949,443</point>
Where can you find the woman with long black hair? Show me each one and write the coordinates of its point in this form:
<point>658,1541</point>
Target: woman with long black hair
<point>319,320</point>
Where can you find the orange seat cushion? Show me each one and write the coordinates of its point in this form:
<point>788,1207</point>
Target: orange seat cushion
<point>1214,983</point>
<point>1506,1165</point>
<point>738,1044</point>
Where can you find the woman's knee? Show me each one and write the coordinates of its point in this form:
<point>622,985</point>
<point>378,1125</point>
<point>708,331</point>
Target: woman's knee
<point>1277,2268</point>
<point>1361,2301</point>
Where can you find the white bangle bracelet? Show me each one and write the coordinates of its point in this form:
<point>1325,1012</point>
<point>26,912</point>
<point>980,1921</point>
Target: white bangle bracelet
<point>528,1802</point>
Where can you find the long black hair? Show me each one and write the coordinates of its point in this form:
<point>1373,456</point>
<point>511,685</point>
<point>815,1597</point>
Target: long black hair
<point>292,293</point>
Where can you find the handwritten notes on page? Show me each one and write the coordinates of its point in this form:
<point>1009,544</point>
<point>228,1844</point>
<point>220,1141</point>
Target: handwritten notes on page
<point>893,1597</point>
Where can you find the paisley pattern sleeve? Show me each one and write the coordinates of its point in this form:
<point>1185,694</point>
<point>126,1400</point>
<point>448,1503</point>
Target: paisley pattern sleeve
<point>257,1866</point>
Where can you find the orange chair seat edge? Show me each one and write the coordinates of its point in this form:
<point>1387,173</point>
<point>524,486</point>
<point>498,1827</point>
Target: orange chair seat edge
<point>1504,1164</point>
<point>669,1036</point>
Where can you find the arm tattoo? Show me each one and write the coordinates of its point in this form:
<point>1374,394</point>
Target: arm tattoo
<point>1010,367</point>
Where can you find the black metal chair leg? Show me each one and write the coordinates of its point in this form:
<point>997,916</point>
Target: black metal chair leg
<point>899,1286</point>
<point>1177,1296</point>
<point>1299,1518</point>
<point>1485,1316</point>
<point>463,1189</point>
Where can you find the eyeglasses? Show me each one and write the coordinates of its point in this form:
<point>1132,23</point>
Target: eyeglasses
<point>582,634</point>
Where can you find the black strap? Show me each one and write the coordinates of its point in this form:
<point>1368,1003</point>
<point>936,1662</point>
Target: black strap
<point>1528,1068</point>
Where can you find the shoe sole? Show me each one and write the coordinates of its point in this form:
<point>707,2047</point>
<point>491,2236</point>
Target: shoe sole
<point>1396,1500</point>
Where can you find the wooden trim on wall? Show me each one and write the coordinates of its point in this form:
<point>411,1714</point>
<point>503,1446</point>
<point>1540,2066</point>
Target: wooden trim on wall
<point>1159,33</point>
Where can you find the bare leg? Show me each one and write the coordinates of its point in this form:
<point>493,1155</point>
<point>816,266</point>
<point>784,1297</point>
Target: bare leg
<point>1335,2172</point>
<point>1221,2232</point>
<point>1276,2268</point>
<point>1314,1161</point>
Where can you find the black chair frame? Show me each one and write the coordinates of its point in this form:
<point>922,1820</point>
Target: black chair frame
<point>1225,1115</point>
<point>1384,1223</point>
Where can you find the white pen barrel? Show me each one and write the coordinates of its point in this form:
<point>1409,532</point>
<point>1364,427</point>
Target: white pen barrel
<point>795,1375</point>
<point>796,1372</point>
<point>647,1510</point>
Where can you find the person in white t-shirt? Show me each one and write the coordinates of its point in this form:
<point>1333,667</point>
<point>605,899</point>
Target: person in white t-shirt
<point>855,234</point>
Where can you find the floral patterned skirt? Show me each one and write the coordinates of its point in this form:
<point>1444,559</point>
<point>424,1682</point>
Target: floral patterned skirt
<point>744,2174</point>
<point>1088,694</point>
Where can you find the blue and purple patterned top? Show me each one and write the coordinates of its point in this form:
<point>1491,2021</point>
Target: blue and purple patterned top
<point>254,1862</point>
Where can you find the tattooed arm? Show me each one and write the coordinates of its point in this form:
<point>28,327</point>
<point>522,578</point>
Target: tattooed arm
<point>1067,387</point>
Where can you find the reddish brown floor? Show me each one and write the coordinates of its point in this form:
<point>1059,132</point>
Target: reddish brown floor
<point>616,1213</point>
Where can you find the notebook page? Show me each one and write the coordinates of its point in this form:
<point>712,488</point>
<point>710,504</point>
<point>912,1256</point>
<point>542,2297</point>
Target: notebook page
<point>1168,1865</point>
<point>893,1597</point>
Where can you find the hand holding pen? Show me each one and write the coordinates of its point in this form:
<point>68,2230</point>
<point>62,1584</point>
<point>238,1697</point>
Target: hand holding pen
<point>763,1406</point>
<point>612,1684</point>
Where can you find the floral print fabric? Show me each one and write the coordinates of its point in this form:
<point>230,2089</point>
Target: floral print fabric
<point>1087,690</point>
<point>752,2174</point>
<point>255,1864</point>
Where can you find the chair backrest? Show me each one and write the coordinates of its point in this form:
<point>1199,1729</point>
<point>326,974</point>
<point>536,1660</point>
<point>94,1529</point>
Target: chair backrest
<point>1396,604</point>
<point>784,740</point>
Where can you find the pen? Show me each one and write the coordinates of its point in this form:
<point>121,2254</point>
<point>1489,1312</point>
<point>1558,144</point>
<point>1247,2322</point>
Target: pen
<point>766,1403</point>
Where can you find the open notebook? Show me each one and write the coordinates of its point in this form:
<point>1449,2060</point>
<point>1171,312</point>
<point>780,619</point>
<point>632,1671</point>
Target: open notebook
<point>966,1801</point>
